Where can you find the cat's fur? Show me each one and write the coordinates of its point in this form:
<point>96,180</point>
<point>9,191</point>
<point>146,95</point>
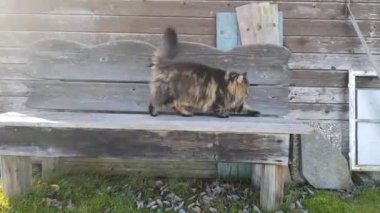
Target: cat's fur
<point>186,85</point>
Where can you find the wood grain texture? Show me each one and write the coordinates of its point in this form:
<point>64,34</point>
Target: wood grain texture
<point>318,95</point>
<point>265,64</point>
<point>317,44</point>
<point>319,78</point>
<point>150,168</point>
<point>20,39</point>
<point>258,23</point>
<point>367,82</point>
<point>142,144</point>
<point>311,111</point>
<point>296,9</point>
<point>13,104</point>
<point>122,97</point>
<point>330,61</point>
<point>272,187</point>
<point>16,175</point>
<point>13,56</point>
<point>184,25</point>
<point>160,123</point>
<point>114,24</point>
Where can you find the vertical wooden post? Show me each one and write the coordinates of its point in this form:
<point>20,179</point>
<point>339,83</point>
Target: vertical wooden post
<point>16,173</point>
<point>48,165</point>
<point>256,175</point>
<point>272,187</point>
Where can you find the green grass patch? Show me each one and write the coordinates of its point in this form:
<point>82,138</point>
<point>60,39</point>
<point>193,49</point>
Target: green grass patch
<point>367,201</point>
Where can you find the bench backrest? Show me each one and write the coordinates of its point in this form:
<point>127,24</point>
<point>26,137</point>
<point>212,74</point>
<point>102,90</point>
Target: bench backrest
<point>113,77</point>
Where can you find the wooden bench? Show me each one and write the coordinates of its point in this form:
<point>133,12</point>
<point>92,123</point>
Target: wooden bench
<point>84,101</point>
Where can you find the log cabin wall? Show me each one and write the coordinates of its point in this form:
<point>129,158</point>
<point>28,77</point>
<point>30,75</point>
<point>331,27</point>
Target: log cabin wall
<point>317,29</point>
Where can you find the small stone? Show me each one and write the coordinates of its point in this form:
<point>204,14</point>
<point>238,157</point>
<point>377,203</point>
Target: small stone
<point>168,209</point>
<point>304,211</point>
<point>202,194</point>
<point>213,210</point>
<point>233,197</point>
<point>166,202</point>
<point>151,204</point>
<point>159,183</point>
<point>70,204</point>
<point>154,207</point>
<point>159,202</point>
<point>181,211</point>
<point>279,211</point>
<point>109,188</point>
<point>196,209</point>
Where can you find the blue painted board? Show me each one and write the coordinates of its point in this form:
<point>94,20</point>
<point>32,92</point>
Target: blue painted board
<point>227,32</point>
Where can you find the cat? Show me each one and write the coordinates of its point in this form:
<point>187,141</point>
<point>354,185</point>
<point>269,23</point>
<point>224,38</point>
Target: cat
<point>182,85</point>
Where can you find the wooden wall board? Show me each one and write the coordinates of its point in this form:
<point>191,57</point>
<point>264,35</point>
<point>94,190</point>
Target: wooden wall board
<point>296,9</point>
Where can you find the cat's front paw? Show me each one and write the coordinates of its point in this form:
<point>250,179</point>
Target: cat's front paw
<point>254,113</point>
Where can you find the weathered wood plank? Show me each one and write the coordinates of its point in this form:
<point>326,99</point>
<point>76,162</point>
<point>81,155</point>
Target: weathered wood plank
<point>318,111</point>
<point>184,25</point>
<point>20,39</point>
<point>232,151</point>
<point>15,72</point>
<point>329,28</point>
<point>330,61</point>
<point>16,175</point>
<point>318,95</point>
<point>114,24</point>
<point>368,146</point>
<point>367,103</point>
<point>13,104</point>
<point>132,144</point>
<point>272,187</point>
<point>160,123</point>
<point>317,44</point>
<point>319,78</point>
<point>258,23</point>
<point>155,168</point>
<point>367,82</point>
<point>307,10</point>
<point>263,63</point>
<point>121,97</point>
<point>13,56</point>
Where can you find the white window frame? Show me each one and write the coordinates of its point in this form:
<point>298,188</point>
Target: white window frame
<point>354,166</point>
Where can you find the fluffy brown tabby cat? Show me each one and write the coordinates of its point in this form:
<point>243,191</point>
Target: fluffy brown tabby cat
<point>186,85</point>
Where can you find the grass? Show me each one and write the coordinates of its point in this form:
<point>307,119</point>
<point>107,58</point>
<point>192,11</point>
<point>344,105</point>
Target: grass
<point>111,194</point>
<point>368,201</point>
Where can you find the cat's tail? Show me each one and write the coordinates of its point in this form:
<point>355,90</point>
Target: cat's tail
<point>168,49</point>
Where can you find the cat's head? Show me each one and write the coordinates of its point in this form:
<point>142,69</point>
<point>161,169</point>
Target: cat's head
<point>238,83</point>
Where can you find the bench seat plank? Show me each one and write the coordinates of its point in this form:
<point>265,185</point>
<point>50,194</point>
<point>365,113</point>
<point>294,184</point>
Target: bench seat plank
<point>234,124</point>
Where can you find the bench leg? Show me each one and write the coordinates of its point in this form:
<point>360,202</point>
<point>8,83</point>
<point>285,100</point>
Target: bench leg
<point>48,165</point>
<point>272,187</point>
<point>16,173</point>
<point>256,175</point>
